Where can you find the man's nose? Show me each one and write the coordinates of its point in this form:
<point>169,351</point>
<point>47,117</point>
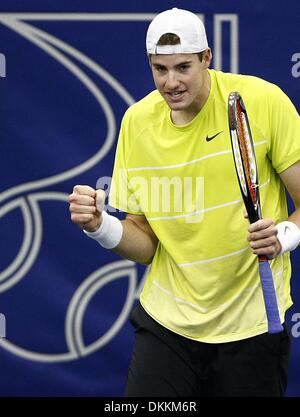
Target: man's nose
<point>172,80</point>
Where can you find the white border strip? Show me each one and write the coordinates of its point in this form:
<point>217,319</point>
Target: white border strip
<point>85,16</point>
<point>80,16</point>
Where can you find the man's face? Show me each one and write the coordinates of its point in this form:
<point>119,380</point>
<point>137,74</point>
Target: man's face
<point>180,79</point>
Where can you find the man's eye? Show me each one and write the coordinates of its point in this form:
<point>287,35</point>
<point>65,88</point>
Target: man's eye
<point>184,68</point>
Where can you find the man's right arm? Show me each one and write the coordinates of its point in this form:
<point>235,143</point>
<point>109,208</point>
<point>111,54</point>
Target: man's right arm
<point>138,242</point>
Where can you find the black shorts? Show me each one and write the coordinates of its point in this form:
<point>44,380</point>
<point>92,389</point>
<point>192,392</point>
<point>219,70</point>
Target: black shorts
<point>166,364</point>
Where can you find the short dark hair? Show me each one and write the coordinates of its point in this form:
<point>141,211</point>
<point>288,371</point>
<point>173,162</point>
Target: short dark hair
<point>172,39</point>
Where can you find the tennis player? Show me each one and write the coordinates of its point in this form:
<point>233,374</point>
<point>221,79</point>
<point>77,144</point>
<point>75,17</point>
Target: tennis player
<point>201,326</point>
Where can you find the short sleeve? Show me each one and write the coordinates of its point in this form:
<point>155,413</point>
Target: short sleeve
<point>122,194</point>
<point>284,129</point>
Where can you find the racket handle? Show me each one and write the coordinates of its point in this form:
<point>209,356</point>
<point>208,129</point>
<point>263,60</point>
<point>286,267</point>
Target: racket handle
<point>267,283</point>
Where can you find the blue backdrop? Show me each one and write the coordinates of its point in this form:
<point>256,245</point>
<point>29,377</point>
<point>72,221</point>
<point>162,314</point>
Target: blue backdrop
<point>68,71</point>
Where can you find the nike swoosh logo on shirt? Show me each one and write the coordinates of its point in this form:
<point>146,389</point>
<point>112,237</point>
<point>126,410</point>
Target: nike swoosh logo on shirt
<point>212,137</point>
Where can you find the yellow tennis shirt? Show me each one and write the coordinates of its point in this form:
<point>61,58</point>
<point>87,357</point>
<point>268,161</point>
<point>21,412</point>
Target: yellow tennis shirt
<point>204,281</point>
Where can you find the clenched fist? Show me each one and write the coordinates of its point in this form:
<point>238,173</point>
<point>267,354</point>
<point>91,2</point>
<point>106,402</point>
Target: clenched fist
<point>263,237</point>
<point>86,206</point>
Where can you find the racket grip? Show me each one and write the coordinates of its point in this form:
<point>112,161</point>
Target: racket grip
<point>268,289</point>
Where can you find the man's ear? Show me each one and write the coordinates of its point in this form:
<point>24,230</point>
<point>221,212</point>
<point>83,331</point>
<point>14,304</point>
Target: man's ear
<point>207,57</point>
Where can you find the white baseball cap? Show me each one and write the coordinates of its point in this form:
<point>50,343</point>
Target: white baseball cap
<point>186,25</point>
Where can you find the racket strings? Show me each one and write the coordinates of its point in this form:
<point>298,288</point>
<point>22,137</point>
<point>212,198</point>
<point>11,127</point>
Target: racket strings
<point>247,154</point>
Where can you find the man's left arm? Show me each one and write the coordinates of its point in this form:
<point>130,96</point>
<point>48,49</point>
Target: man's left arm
<point>263,235</point>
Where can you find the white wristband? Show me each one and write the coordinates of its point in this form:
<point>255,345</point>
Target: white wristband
<point>109,233</point>
<point>288,236</point>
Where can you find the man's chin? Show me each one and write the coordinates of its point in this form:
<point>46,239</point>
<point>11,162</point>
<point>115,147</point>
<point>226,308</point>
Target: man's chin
<point>177,106</point>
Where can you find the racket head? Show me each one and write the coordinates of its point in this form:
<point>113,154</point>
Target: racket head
<point>244,155</point>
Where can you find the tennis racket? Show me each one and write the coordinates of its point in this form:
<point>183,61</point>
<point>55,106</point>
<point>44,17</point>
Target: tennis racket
<point>246,169</point>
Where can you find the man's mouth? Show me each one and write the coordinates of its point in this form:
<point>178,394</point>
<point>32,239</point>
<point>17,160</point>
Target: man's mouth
<point>175,94</point>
